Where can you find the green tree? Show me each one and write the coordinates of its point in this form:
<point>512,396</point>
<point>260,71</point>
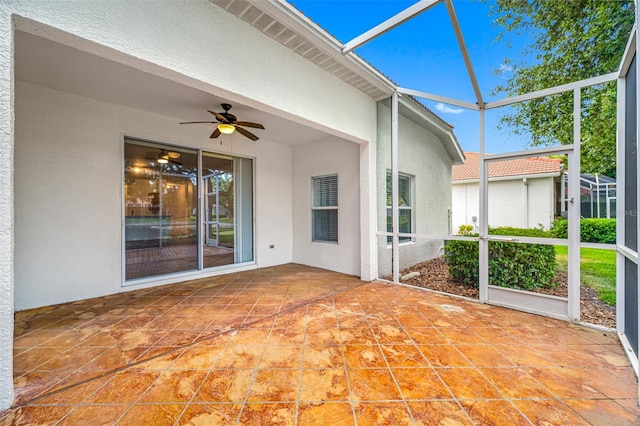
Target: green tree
<point>572,40</point>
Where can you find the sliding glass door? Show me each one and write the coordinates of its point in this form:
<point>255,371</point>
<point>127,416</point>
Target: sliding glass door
<point>163,210</point>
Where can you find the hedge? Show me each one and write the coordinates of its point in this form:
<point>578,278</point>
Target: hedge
<point>591,230</point>
<point>513,265</point>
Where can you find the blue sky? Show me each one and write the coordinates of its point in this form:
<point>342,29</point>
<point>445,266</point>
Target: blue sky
<point>423,54</point>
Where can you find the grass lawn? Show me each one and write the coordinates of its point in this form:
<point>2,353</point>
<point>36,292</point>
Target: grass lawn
<point>597,270</point>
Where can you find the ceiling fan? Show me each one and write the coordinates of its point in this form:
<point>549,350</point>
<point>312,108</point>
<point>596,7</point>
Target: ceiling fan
<point>228,123</point>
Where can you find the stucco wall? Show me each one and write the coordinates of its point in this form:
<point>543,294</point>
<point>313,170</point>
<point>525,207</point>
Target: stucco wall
<point>511,203</point>
<point>68,192</point>
<point>6,209</point>
<point>420,154</point>
<point>203,42</point>
<point>329,156</point>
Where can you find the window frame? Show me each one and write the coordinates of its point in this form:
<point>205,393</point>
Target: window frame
<point>314,208</point>
<point>410,207</point>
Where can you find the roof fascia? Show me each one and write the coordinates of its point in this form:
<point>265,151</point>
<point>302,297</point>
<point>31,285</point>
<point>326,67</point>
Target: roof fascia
<point>510,177</point>
<point>389,24</point>
<point>292,18</point>
<point>448,131</point>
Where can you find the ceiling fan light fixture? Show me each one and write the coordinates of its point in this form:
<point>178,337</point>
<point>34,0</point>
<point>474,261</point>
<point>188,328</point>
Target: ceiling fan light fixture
<point>226,128</point>
<point>164,159</point>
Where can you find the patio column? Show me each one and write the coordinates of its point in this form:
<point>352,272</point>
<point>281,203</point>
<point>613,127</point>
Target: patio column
<point>6,208</point>
<point>368,225</point>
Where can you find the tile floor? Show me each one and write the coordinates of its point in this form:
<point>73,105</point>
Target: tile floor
<point>298,345</point>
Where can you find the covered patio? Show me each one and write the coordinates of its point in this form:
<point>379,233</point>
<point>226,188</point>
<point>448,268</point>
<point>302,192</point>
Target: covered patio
<point>293,344</point>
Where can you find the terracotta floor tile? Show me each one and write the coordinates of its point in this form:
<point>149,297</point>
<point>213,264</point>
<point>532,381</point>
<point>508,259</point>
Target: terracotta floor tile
<point>275,356</point>
<point>382,413</point>
<point>443,356</point>
<point>174,386</point>
<point>152,414</point>
<point>372,385</point>
<point>601,411</point>
<point>285,336</point>
<point>123,387</point>
<point>358,336</point>
<point>404,356</point>
<point>427,336</point>
<point>525,356</point>
<point>467,383</point>
<point>281,414</point>
<point>240,357</point>
<point>210,414</point>
<point>321,355</point>
<point>36,415</point>
<point>549,412</point>
<point>274,386</point>
<point>427,413</point>
<point>225,386</point>
<point>94,415</point>
<point>325,413</point>
<point>460,335</point>
<point>329,337</point>
<point>420,383</point>
<point>494,412</point>
<point>483,355</point>
<point>361,356</point>
<point>515,383</point>
<point>324,385</point>
<point>565,382</point>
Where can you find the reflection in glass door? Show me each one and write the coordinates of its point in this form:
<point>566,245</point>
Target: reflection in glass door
<point>162,210</point>
<point>219,217</point>
<point>160,189</point>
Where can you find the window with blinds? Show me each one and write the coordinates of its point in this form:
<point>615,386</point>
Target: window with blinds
<point>405,206</point>
<point>324,209</point>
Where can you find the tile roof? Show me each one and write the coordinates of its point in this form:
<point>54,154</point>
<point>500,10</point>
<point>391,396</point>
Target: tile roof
<point>517,167</point>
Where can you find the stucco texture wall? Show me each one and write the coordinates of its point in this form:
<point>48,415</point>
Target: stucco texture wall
<point>421,155</point>
<point>329,156</point>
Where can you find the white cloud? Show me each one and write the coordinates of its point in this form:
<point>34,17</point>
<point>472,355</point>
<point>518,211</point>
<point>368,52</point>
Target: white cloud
<point>448,110</point>
<point>505,68</point>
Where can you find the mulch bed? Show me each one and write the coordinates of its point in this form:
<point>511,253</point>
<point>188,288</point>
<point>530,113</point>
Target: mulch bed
<point>434,275</point>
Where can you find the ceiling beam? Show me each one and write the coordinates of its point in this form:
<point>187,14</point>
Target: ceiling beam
<point>389,24</point>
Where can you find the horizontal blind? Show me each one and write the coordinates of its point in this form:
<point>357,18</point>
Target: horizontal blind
<point>325,191</point>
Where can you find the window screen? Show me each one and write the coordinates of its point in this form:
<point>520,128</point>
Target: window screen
<point>324,211</point>
<point>405,206</point>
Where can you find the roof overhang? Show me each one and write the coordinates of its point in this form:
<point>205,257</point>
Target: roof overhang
<point>512,177</point>
<point>413,110</point>
<point>288,26</point>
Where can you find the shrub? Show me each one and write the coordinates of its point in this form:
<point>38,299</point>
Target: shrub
<point>514,265</point>
<point>591,230</point>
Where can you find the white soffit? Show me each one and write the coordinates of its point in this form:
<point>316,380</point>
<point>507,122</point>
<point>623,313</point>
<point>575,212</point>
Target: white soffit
<point>288,26</point>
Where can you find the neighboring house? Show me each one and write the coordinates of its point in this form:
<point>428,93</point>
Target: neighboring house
<point>524,192</point>
<point>103,190</point>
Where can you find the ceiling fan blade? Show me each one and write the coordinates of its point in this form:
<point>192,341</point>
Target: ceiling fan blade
<point>246,133</point>
<point>215,133</point>
<point>220,117</point>
<point>193,122</point>
<point>249,124</point>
